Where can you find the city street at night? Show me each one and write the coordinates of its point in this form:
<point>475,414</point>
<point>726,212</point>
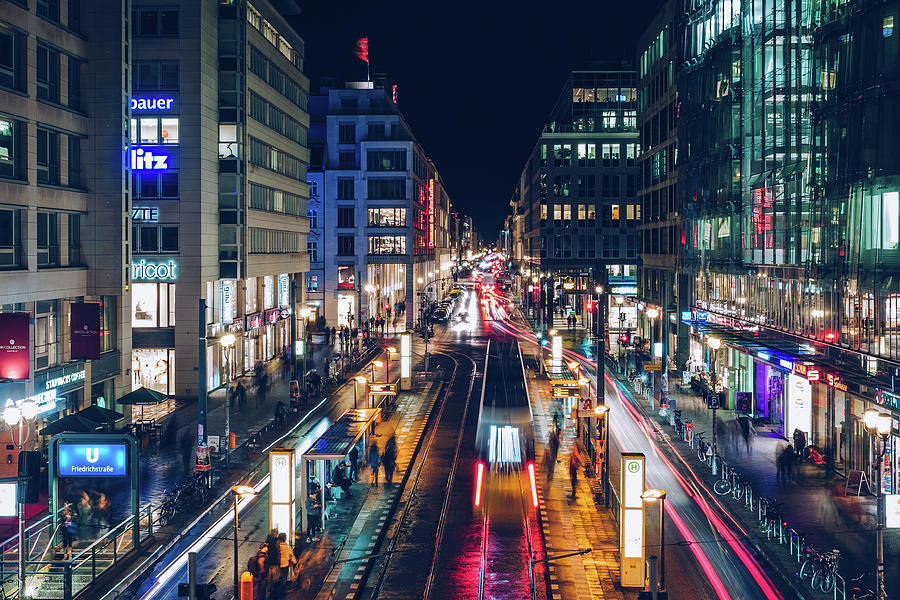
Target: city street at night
<point>422,301</point>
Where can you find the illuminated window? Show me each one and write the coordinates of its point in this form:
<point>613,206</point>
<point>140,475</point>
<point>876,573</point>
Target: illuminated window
<point>567,212</point>
<point>887,26</point>
<point>543,212</point>
<point>587,154</point>
<point>629,121</point>
<point>609,154</point>
<point>609,119</point>
<point>591,212</point>
<point>562,155</point>
<point>615,212</point>
<point>582,212</point>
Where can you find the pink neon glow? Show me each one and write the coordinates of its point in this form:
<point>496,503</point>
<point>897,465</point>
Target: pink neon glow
<point>534,498</point>
<point>478,478</point>
<point>739,549</point>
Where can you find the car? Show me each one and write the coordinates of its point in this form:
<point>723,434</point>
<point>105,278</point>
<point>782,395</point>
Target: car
<point>439,316</point>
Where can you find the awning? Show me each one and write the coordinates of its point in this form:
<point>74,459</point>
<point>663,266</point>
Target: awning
<point>336,442</point>
<point>72,424</point>
<point>99,414</point>
<point>142,396</point>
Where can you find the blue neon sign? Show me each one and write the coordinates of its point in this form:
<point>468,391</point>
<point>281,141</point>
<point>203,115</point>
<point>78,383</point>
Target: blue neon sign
<point>152,103</point>
<point>145,160</point>
<point>92,460</point>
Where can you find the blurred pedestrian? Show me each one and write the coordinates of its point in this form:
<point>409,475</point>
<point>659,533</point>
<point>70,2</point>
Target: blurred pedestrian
<point>574,465</point>
<point>389,459</point>
<point>286,557</point>
<point>273,563</point>
<point>240,393</point>
<point>799,442</point>
<point>354,462</point>
<point>373,459</point>
<point>101,512</point>
<point>256,566</point>
<point>69,530</point>
<point>313,517</point>
<point>747,431</point>
<point>785,464</point>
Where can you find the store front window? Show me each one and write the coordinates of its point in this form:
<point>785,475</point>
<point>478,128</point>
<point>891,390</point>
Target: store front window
<point>346,278</point>
<point>153,368</point>
<point>153,305</point>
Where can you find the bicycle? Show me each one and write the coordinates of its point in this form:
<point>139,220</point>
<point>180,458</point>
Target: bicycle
<point>704,450</point>
<point>857,593</point>
<point>821,568</point>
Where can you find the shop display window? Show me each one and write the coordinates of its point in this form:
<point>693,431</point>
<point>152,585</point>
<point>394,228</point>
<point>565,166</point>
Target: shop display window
<point>153,305</point>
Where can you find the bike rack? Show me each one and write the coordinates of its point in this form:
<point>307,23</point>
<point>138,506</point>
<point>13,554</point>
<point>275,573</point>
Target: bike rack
<point>840,587</point>
<point>796,543</point>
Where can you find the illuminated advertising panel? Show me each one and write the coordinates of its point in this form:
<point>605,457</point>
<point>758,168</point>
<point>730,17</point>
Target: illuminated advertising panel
<point>892,511</point>
<point>281,490</point>
<point>631,535</point>
<point>92,460</point>
<point>84,330</point>
<point>405,361</point>
<point>556,349</point>
<point>799,409</point>
<point>8,499</point>
<point>15,363</point>
<point>431,213</point>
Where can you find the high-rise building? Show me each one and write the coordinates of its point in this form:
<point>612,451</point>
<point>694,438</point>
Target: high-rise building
<point>788,177</point>
<point>63,123</point>
<point>384,244</point>
<point>578,191</point>
<point>219,184</point>
<point>662,283</point>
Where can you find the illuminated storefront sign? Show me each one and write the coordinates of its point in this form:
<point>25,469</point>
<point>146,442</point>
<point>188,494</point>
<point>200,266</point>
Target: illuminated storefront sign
<point>431,213</point>
<point>139,104</point>
<point>228,300</point>
<point>405,361</point>
<point>65,379</point>
<point>624,290</point>
<point>15,344</point>
<point>284,293</point>
<point>144,160</point>
<point>149,271</point>
<point>254,321</point>
<point>811,373</point>
<point>145,214</point>
<point>835,381</point>
<point>92,460</point>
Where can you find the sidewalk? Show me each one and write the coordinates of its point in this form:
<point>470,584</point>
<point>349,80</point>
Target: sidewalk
<point>814,505</point>
<point>570,525</point>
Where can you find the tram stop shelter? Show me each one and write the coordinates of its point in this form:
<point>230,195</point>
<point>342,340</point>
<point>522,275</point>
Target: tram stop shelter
<point>332,446</point>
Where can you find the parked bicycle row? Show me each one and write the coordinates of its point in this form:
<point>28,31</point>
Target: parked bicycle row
<point>818,569</point>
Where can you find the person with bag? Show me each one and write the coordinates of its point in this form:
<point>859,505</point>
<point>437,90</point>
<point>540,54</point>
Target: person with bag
<point>286,558</point>
<point>313,517</point>
<point>256,566</point>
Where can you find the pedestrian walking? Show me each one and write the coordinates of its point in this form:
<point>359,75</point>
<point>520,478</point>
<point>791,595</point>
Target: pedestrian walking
<point>574,465</point>
<point>389,459</point>
<point>313,517</point>
<point>799,443</point>
<point>354,462</point>
<point>240,393</point>
<point>262,387</point>
<point>69,531</point>
<point>747,431</point>
<point>286,558</point>
<point>273,563</point>
<point>373,459</point>
<point>785,464</point>
<point>256,566</point>
<point>552,453</point>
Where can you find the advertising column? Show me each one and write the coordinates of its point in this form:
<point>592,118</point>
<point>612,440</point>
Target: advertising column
<point>799,406</point>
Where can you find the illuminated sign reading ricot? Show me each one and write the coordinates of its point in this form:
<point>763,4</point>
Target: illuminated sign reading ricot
<point>149,271</point>
<point>145,160</point>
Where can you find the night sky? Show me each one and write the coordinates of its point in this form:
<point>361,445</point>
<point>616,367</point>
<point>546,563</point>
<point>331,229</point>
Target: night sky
<point>476,80</point>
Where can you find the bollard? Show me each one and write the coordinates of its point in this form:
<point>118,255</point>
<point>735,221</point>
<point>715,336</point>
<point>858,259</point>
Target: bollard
<point>246,586</point>
<point>651,577</point>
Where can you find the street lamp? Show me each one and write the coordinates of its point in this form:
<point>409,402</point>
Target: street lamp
<point>227,342</point>
<point>879,426</point>
<point>653,496</point>
<point>356,381</point>
<point>714,344</point>
<point>239,492</point>
<point>379,364</point>
<point>305,314</point>
<point>17,415</point>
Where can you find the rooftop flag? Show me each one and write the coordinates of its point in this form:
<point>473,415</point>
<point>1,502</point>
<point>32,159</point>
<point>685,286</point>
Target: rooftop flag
<point>362,49</point>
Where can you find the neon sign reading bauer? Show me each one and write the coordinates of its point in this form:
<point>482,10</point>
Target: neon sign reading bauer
<point>152,103</point>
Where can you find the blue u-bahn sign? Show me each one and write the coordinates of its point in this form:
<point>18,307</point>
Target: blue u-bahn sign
<point>92,460</point>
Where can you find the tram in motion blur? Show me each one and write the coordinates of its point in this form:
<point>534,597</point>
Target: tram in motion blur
<point>505,467</point>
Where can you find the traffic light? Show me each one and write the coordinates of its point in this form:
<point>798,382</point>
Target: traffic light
<point>625,338</point>
<point>29,476</point>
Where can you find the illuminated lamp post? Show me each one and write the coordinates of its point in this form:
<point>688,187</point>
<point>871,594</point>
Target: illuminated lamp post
<point>879,426</point>
<point>356,381</point>
<point>714,344</point>
<point>227,342</point>
<point>18,415</point>
<point>305,314</point>
<point>601,411</point>
<point>239,492</point>
<point>652,496</point>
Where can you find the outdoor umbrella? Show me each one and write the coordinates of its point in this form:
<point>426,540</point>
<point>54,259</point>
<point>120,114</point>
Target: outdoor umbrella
<point>72,423</point>
<point>100,414</point>
<point>142,397</point>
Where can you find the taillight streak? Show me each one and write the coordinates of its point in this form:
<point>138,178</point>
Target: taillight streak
<point>534,498</point>
<point>478,477</point>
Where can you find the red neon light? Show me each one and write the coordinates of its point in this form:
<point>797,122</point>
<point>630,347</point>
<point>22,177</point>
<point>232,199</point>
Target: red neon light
<point>478,478</point>
<point>534,498</point>
<point>431,213</point>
